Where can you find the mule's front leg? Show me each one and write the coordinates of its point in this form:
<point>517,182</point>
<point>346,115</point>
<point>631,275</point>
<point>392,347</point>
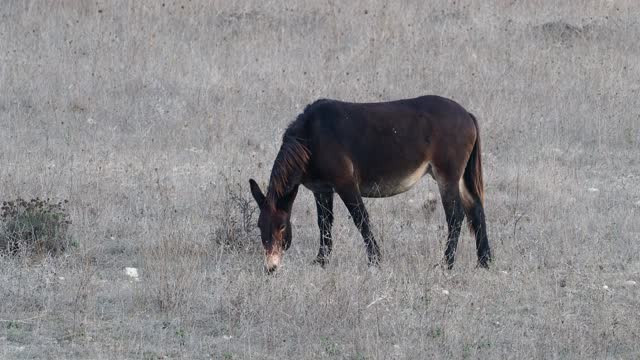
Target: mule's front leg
<point>324,207</point>
<point>352,199</point>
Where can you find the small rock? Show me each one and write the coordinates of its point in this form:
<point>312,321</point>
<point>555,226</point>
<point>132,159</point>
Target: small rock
<point>593,190</point>
<point>91,121</point>
<point>605,287</point>
<point>630,282</point>
<point>132,273</point>
<point>445,292</point>
<point>60,277</point>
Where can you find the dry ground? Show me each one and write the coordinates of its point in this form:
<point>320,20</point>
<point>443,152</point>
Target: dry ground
<point>150,116</point>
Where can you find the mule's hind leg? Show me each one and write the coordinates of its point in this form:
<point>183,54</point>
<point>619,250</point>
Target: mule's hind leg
<point>455,215</point>
<point>475,215</point>
<point>352,199</point>
<point>324,206</point>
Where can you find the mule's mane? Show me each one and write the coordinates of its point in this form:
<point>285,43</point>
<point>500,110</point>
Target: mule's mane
<point>293,157</point>
<point>288,168</point>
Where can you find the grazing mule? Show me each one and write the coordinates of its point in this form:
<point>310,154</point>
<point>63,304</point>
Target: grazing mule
<point>374,150</point>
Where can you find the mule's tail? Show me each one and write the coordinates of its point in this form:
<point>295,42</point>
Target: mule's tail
<point>473,171</point>
<point>473,205</point>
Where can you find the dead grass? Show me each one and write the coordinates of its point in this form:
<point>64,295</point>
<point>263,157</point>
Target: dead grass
<point>150,118</point>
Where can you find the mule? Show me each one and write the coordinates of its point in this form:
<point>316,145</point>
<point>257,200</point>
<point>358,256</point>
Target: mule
<point>374,150</point>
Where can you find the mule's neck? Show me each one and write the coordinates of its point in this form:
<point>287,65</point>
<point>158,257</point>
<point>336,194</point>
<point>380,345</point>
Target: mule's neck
<point>288,169</point>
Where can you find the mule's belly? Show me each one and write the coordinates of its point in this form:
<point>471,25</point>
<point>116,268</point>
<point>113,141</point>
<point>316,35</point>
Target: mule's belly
<point>373,185</point>
<point>393,185</point>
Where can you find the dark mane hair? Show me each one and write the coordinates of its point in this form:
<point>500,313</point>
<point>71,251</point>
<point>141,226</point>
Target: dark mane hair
<point>292,159</point>
<point>288,168</point>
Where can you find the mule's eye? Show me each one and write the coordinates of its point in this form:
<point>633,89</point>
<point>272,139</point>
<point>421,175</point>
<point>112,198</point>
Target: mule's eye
<point>282,227</point>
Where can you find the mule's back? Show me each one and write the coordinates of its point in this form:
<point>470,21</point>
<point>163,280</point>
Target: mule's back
<point>387,147</point>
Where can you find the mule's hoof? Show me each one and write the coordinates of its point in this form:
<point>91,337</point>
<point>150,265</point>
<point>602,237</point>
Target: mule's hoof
<point>321,260</point>
<point>484,264</point>
<point>447,264</point>
<point>449,258</point>
<point>374,260</point>
<point>484,260</point>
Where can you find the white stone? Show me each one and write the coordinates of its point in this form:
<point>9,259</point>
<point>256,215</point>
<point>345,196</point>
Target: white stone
<point>132,273</point>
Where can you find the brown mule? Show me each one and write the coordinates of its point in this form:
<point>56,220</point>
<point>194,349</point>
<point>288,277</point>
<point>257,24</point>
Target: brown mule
<point>374,150</point>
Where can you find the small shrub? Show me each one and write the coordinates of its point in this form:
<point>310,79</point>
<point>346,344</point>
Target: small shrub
<point>466,351</point>
<point>436,332</point>
<point>236,223</point>
<point>181,335</point>
<point>37,226</point>
<point>329,347</point>
<point>17,333</point>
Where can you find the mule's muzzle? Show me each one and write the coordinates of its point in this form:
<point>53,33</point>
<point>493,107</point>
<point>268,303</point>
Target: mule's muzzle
<point>272,260</point>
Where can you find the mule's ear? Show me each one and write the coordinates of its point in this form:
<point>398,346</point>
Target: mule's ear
<point>256,192</point>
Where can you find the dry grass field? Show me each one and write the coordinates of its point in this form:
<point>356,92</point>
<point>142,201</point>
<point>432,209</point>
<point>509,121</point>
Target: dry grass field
<point>149,117</point>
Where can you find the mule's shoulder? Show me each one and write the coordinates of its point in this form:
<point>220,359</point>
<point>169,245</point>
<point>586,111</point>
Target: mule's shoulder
<point>316,104</point>
<point>298,127</point>
<point>315,107</point>
<point>321,108</point>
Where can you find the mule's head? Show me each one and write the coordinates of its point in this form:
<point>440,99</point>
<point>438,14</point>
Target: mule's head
<point>274,223</point>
